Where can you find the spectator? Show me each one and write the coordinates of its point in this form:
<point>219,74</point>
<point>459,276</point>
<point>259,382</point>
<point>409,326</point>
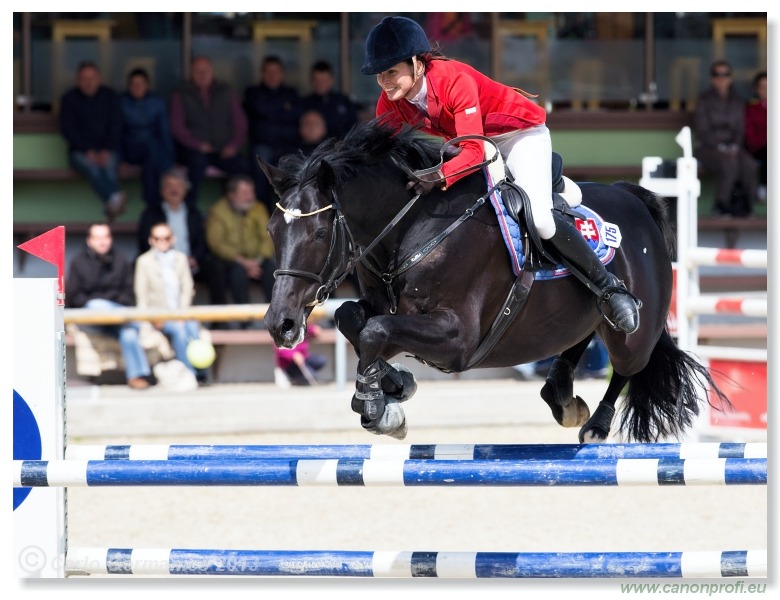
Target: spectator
<point>189,232</point>
<point>719,125</point>
<point>312,130</point>
<point>101,278</point>
<point>146,134</point>
<point>297,364</point>
<point>208,125</point>
<point>273,111</point>
<point>339,111</point>
<point>163,280</point>
<point>755,130</point>
<point>240,244</point>
<point>91,123</point>
<point>448,26</point>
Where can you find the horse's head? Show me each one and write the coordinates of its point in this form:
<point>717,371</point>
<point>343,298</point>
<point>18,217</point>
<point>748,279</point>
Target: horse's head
<point>314,245</point>
<point>310,256</point>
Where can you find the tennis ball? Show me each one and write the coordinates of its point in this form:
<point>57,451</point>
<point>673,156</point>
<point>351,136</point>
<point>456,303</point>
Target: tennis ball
<point>201,354</point>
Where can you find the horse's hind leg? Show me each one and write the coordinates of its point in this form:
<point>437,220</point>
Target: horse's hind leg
<point>558,391</point>
<point>596,430</point>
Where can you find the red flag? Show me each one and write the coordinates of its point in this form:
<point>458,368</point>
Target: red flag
<point>50,246</point>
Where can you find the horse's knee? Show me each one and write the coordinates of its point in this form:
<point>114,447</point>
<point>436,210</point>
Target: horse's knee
<point>373,334</point>
<point>350,319</point>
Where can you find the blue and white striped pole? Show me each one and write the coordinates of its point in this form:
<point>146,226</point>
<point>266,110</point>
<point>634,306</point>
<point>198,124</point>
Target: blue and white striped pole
<point>418,451</point>
<point>360,472</point>
<point>334,563</point>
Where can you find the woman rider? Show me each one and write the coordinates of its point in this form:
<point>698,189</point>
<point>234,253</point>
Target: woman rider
<point>450,99</point>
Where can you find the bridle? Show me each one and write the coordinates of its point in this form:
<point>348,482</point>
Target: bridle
<point>342,247</point>
<point>342,243</point>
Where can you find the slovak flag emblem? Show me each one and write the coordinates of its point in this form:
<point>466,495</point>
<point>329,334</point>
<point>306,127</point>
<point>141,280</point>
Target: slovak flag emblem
<point>589,230</point>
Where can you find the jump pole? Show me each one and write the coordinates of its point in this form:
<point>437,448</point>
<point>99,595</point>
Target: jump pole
<point>405,473</point>
<point>341,563</point>
<point>416,451</point>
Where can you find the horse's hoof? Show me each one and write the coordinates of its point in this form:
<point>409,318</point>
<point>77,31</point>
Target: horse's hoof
<point>392,422</point>
<point>409,383</point>
<point>575,413</point>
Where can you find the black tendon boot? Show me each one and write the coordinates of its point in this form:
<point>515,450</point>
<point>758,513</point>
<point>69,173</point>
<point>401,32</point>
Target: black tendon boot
<point>568,241</point>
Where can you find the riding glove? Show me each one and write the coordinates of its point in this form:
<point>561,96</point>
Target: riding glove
<point>425,183</point>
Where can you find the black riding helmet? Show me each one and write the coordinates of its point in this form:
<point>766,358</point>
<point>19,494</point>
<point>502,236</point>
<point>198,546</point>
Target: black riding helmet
<point>393,40</point>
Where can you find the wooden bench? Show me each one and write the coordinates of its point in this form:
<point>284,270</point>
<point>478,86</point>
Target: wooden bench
<point>732,226</point>
<point>259,337</point>
<point>223,338</point>
<point>30,230</point>
<point>245,337</point>
<point>126,172</point>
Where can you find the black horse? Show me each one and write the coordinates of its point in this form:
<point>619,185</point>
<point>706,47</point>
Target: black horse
<point>434,275</point>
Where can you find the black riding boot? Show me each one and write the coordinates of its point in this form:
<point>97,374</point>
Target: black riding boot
<point>568,241</point>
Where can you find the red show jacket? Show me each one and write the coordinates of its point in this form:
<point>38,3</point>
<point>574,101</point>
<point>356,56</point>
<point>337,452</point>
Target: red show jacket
<point>463,101</point>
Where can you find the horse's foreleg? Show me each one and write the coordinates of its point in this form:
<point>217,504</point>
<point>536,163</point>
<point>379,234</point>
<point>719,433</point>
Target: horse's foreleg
<point>378,384</point>
<point>596,429</point>
<point>350,320</point>
<point>381,387</point>
<point>558,391</point>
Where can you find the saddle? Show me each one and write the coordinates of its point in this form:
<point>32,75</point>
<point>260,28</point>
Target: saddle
<point>537,256</point>
<point>567,195</point>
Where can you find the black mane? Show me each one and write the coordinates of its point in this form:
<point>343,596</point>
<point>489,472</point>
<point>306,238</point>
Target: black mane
<point>364,145</point>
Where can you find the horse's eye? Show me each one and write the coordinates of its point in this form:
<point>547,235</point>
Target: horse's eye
<point>320,233</point>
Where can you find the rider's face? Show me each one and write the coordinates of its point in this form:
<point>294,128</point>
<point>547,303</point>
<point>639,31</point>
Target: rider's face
<point>399,82</point>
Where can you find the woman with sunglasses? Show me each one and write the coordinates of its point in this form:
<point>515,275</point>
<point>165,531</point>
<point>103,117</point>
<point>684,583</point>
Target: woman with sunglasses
<point>719,128</point>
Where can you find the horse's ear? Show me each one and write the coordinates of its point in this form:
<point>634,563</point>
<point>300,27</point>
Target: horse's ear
<point>326,178</point>
<point>275,176</point>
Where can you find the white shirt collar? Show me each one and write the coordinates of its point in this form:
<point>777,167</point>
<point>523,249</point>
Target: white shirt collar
<point>420,100</point>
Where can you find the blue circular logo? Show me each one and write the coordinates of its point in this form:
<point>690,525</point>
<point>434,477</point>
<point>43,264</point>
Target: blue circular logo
<point>27,440</point>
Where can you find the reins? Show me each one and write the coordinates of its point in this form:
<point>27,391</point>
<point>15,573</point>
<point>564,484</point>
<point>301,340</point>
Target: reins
<point>349,257</point>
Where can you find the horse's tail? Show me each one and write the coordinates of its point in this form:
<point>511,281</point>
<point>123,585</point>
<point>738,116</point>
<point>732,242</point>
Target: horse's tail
<point>659,210</point>
<point>663,399</point>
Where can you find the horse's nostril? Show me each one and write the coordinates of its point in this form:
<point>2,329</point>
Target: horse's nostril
<point>288,325</point>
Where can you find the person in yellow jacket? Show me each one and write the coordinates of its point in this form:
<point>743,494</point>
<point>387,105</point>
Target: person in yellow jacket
<point>242,249</point>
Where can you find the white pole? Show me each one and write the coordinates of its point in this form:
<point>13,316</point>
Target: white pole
<point>39,425</point>
<point>688,192</point>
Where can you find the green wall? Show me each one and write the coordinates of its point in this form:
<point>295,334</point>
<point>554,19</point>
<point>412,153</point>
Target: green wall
<point>607,148</point>
<point>69,201</point>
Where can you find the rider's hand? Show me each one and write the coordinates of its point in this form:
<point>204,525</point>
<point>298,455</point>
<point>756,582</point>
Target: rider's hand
<point>425,183</point>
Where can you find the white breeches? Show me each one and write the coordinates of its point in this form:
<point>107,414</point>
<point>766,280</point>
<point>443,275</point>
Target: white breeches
<point>528,156</point>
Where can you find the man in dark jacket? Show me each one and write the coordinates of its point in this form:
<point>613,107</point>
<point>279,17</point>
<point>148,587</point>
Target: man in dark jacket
<point>208,125</point>
<point>91,123</point>
<point>146,133</point>
<point>101,278</point>
<point>272,109</point>
<point>339,111</point>
<point>719,127</point>
<point>186,223</point>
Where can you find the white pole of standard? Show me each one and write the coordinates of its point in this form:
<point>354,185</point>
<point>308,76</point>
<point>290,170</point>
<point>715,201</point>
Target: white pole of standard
<point>39,424</point>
